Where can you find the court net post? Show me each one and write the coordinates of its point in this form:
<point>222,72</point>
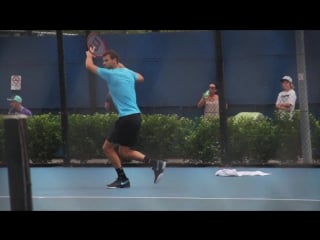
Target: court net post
<point>16,155</point>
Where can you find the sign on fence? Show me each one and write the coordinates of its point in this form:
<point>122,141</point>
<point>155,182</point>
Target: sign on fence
<point>15,82</point>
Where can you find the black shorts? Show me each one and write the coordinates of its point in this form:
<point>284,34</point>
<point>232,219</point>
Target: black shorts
<point>126,130</point>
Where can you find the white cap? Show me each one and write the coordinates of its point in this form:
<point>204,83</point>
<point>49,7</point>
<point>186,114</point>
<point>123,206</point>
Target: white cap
<point>288,78</point>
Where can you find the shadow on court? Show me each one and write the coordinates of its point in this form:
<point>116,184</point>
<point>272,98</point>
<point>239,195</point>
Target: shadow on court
<point>180,189</point>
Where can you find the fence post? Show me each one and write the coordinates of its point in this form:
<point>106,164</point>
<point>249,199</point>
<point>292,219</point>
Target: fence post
<point>303,98</point>
<point>222,102</point>
<point>63,99</point>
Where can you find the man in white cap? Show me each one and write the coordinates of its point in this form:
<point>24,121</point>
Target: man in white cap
<point>286,100</point>
<point>16,106</point>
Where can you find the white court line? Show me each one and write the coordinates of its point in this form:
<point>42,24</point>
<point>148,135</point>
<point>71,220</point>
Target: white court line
<point>174,198</point>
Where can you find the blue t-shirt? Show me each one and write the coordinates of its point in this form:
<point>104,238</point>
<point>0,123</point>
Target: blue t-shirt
<point>121,84</point>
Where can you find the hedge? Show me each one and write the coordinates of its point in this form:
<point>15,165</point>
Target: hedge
<point>164,136</point>
<point>44,137</point>
<point>250,139</point>
<point>87,134</point>
<point>202,142</point>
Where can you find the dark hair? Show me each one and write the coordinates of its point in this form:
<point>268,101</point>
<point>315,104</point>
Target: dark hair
<point>215,85</point>
<point>113,54</point>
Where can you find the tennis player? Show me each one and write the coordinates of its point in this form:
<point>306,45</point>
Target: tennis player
<point>121,84</point>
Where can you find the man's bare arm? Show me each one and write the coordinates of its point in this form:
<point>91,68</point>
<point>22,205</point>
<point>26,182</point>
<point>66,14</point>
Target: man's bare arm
<point>140,78</point>
<point>201,102</point>
<point>89,63</point>
<point>285,106</point>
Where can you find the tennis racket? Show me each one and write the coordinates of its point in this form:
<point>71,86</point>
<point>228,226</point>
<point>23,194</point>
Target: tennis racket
<point>96,45</point>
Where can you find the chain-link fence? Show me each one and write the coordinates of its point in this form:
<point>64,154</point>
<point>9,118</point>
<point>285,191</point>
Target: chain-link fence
<point>256,75</point>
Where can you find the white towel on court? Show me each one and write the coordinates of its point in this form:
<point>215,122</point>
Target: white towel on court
<point>235,173</point>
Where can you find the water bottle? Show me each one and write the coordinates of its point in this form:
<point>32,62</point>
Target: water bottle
<point>206,94</point>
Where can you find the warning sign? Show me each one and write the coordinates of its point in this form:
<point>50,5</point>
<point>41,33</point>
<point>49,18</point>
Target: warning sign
<point>15,82</point>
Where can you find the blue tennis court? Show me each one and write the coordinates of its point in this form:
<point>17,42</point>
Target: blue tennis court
<point>181,189</point>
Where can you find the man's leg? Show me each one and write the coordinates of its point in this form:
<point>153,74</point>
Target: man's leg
<point>122,181</point>
<point>109,150</point>
<point>158,166</point>
<point>127,152</point>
